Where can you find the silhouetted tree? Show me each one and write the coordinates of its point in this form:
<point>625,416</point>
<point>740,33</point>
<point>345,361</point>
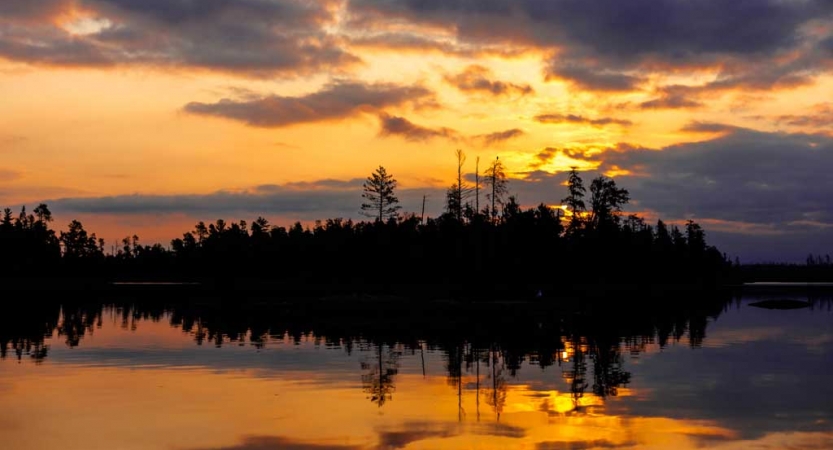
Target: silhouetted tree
<point>459,192</point>
<point>574,201</point>
<point>696,238</point>
<point>477,186</point>
<point>606,202</point>
<point>77,244</point>
<point>379,193</point>
<point>497,185</point>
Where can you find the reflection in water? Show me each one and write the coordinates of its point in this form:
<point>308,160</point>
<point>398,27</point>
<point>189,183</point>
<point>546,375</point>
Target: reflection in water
<point>379,372</point>
<point>540,379</point>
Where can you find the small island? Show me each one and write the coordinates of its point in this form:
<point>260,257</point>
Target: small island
<point>485,246</point>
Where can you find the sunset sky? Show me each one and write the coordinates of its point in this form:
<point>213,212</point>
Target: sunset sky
<point>145,116</point>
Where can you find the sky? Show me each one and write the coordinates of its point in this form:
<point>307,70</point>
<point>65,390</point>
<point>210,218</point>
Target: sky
<point>146,116</point>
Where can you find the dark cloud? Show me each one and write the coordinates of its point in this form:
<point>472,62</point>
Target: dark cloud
<point>594,80</point>
<point>744,182</point>
<point>413,42</point>
<point>499,136</point>
<point>49,45</point>
<point>249,37</point>
<point>292,198</point>
<point>477,79</point>
<point>400,126</point>
<point>673,29</point>
<point>32,9</point>
<point>708,127</point>
<point>274,443</point>
<point>744,176</point>
<point>607,45</point>
<point>671,102</point>
<point>335,101</point>
<point>581,120</point>
<point>581,445</point>
<point>827,45</point>
<point>306,201</point>
<point>820,116</point>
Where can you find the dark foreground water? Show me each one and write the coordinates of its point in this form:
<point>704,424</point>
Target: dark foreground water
<point>122,376</point>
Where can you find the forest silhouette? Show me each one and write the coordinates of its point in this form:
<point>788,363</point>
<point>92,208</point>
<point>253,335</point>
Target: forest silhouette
<point>475,248</point>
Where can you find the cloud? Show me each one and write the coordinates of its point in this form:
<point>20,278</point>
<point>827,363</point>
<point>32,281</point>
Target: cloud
<point>335,101</point>
<point>399,126</point>
<point>671,29</point>
<point>594,80</point>
<point>294,198</point>
<point>821,116</point>
<point>708,127</point>
<point>499,136</point>
<point>745,176</point>
<point>304,201</point>
<point>744,182</point>
<point>403,41</point>
<point>581,120</point>
<point>273,443</point>
<point>611,45</point>
<point>477,79</point>
<point>33,9</point>
<point>247,37</point>
<point>673,101</point>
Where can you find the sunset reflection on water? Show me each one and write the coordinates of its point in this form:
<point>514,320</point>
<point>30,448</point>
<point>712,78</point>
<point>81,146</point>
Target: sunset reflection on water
<point>757,381</point>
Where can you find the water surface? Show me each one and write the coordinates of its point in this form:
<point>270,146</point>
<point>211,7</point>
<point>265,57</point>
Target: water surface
<point>126,376</point>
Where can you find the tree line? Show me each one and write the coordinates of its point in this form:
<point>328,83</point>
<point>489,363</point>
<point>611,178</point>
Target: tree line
<point>473,246</point>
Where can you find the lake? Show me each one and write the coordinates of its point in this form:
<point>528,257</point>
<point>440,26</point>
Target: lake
<point>121,374</point>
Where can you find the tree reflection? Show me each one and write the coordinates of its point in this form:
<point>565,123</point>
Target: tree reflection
<point>482,348</point>
<point>576,375</point>
<point>377,381</point>
<point>496,395</point>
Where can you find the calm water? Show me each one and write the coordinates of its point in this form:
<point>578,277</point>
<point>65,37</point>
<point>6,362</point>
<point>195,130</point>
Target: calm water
<point>128,377</point>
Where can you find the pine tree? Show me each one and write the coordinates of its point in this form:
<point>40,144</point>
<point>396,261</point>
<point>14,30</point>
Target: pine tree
<point>497,185</point>
<point>379,193</point>
<point>575,200</point>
